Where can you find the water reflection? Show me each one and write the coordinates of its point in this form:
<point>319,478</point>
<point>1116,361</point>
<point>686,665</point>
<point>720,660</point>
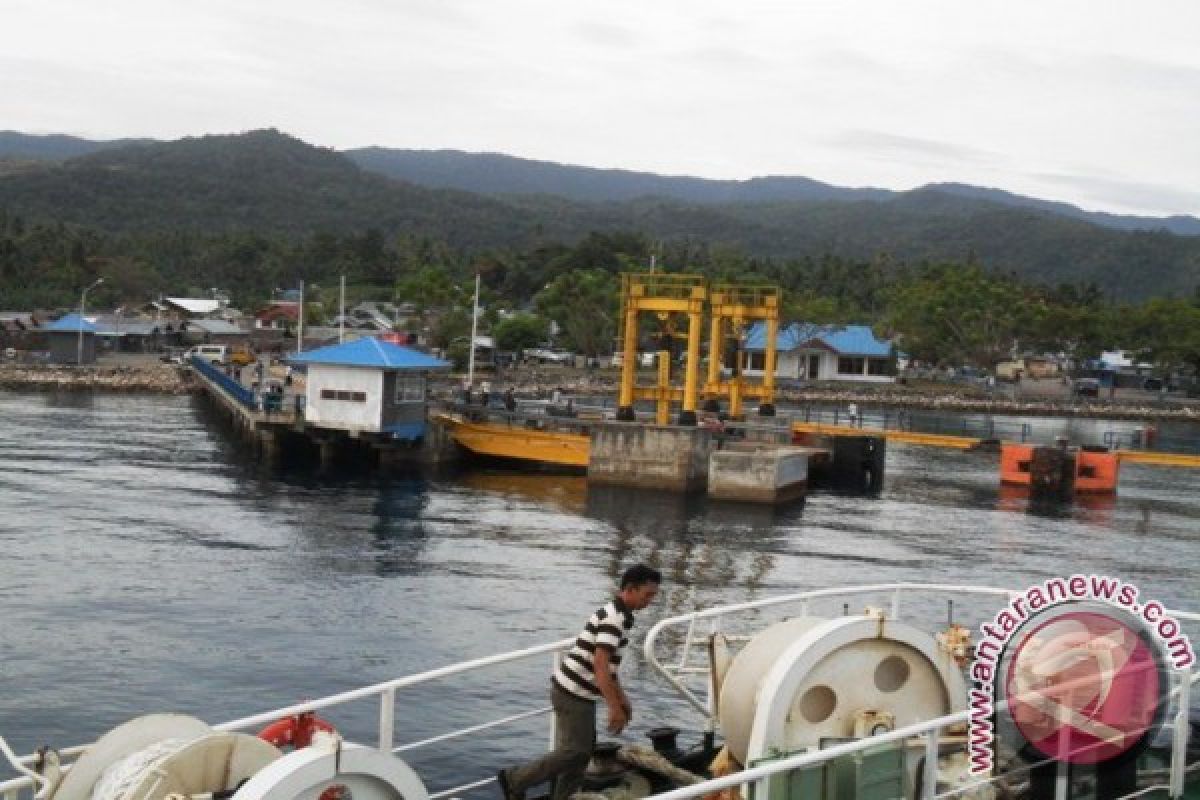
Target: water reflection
<point>568,492</point>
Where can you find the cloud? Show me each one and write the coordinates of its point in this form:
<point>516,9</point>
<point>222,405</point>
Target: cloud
<point>603,34</point>
<point>878,144</point>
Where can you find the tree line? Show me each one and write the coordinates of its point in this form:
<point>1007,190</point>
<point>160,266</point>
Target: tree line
<point>950,313</point>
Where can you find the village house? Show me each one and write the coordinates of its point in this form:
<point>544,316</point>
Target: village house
<point>72,340</point>
<point>281,315</point>
<point>823,353</point>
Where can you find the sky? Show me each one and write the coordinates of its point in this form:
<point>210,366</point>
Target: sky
<point>1090,102</point>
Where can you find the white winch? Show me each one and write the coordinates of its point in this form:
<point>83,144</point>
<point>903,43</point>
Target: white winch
<point>804,682</point>
<point>172,757</point>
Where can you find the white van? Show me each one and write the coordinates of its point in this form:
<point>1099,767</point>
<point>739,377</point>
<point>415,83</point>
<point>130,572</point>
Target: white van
<point>214,353</point>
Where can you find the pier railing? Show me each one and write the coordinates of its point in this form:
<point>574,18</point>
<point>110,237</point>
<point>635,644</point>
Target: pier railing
<point>228,384</point>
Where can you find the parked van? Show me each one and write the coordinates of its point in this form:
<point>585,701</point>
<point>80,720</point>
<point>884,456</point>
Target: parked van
<point>215,353</point>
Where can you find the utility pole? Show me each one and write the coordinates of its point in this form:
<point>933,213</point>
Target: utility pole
<point>82,303</point>
<point>474,327</point>
<point>300,322</point>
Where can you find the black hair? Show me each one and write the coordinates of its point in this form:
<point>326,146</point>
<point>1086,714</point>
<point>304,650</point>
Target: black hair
<point>640,575</point>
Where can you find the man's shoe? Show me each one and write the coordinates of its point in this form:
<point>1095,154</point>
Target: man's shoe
<point>506,789</point>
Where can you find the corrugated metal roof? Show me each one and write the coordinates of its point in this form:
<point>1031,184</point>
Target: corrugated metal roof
<point>214,326</point>
<point>194,305</point>
<point>71,322</point>
<point>370,352</point>
<point>858,340</point>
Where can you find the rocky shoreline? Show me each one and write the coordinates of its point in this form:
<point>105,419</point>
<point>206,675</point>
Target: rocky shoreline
<point>149,378</point>
<point>160,378</point>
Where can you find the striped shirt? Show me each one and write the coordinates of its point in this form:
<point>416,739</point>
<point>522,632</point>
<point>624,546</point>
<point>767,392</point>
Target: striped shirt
<point>606,628</point>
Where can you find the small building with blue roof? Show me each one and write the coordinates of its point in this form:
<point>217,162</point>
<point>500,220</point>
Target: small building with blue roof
<point>368,386</point>
<point>805,351</point>
<point>65,337</point>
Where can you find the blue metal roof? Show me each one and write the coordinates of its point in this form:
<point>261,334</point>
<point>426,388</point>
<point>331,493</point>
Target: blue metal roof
<point>71,322</point>
<point>369,352</point>
<point>858,340</point>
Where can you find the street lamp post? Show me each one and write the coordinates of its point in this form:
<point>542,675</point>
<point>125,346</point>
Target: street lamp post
<point>82,304</point>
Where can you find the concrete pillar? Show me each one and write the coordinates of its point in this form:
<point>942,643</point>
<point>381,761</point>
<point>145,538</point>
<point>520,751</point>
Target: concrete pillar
<point>650,456</point>
<point>1052,472</point>
<point>269,447</point>
<point>329,452</point>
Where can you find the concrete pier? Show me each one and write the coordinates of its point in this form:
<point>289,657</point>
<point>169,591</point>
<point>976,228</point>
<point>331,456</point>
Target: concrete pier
<point>650,456</point>
<point>759,473</point>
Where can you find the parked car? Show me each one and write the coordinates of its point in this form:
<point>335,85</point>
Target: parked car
<point>546,355</point>
<point>1086,387</point>
<point>213,353</point>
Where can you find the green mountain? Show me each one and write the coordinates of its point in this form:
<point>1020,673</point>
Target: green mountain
<point>268,184</point>
<point>260,181</point>
<point>497,174</point>
<point>494,174</point>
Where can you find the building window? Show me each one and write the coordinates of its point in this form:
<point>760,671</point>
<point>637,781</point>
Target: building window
<point>851,365</point>
<point>757,361</point>
<point>410,389</point>
<point>344,394</point>
<point>879,366</point>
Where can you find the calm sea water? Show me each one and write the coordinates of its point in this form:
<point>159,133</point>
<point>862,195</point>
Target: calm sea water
<point>146,567</point>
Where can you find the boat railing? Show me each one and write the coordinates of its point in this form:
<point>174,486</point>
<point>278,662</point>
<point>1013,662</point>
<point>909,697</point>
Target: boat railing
<point>385,694</point>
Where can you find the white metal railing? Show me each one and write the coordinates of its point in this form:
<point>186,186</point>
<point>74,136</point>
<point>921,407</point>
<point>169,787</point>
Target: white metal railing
<point>386,692</point>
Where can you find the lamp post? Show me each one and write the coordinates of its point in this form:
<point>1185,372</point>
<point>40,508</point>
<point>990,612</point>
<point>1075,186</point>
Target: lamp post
<point>82,304</point>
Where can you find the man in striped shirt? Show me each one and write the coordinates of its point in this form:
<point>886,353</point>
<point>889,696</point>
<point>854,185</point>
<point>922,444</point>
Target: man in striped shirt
<point>587,673</point>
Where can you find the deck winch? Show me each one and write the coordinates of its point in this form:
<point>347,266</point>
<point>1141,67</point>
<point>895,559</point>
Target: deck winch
<point>808,682</point>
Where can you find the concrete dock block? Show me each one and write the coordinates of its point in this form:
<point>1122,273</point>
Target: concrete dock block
<point>758,474</point>
<point>650,456</point>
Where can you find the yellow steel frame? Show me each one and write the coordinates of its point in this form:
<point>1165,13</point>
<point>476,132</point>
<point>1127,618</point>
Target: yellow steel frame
<point>731,308</point>
<point>662,294</point>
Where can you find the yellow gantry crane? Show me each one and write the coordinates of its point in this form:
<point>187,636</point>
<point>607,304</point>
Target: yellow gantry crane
<point>669,297</point>
<point>679,303</point>
<point>732,309</point>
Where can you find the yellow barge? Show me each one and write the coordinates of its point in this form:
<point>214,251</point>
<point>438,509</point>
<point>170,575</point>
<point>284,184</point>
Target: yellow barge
<point>500,440</point>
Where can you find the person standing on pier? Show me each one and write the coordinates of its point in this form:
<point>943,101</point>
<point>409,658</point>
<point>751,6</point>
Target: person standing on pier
<point>586,674</point>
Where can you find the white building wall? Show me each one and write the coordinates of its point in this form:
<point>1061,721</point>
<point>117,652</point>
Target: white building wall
<point>793,364</point>
<point>346,415</point>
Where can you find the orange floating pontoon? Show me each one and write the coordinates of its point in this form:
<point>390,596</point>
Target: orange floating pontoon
<point>1015,463</point>
<point>1096,472</point>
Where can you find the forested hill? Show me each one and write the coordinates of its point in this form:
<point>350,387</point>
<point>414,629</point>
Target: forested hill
<point>262,181</point>
<point>270,184</point>
<point>495,174</point>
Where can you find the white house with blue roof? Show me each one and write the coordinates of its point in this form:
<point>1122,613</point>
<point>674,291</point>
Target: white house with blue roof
<point>823,353</point>
<point>368,386</point>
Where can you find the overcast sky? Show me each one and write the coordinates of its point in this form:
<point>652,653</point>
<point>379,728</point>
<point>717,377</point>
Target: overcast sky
<point>1091,102</point>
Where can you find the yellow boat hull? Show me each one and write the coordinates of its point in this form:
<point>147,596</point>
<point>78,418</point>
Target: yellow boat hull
<point>497,440</point>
